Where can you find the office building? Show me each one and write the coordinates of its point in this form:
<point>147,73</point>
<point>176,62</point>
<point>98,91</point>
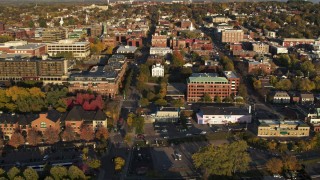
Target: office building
<point>78,49</point>
<point>232,36</point>
<point>282,128</point>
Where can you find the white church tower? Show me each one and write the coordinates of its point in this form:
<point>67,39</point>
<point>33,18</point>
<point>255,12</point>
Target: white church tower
<point>61,21</point>
<point>87,19</point>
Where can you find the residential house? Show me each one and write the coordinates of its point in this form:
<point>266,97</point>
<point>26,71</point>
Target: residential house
<point>306,98</point>
<point>280,97</point>
<point>51,119</point>
<point>77,117</point>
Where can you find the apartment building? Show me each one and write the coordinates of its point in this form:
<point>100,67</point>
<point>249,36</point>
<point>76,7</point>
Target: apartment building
<point>282,128</point>
<point>200,84</point>
<point>232,36</point>
<point>104,80</point>
<point>53,34</point>
<point>78,49</point>
<point>46,70</point>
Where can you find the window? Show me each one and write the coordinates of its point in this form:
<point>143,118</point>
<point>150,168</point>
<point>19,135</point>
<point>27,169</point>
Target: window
<point>43,125</point>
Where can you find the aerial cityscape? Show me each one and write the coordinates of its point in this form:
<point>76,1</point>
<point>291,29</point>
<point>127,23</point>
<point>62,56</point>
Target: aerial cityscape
<point>181,89</point>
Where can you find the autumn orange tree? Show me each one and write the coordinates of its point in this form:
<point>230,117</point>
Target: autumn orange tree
<point>68,134</point>
<point>86,133</point>
<point>102,133</point>
<point>274,165</point>
<point>33,137</point>
<point>16,140</point>
<point>51,135</point>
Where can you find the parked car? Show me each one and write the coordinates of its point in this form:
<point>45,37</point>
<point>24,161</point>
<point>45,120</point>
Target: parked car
<point>203,132</point>
<point>188,134</point>
<point>164,130</point>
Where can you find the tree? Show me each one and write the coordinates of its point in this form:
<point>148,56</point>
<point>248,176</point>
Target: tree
<point>75,173</point>
<point>217,99</point>
<point>13,172</point>
<point>138,123</point>
<point>177,59</point>
<point>243,91</point>
<point>30,174</point>
<point>273,80</point>
<point>59,172</point>
<point>161,102</point>
<point>68,134</point>
<point>307,67</point>
<point>272,145</point>
<point>94,163</point>
<point>33,137</point>
<point>284,84</point>
<point>102,133</point>
<point>227,99</point>
<point>257,84</point>
<point>51,135</point>
<point>130,119</point>
<point>306,85</point>
<point>226,159</point>
<point>2,172</point>
<point>144,102</point>
<point>282,147</point>
<point>86,133</point>
<point>206,98</point>
<point>274,165</point>
<point>18,178</point>
<point>177,103</point>
<point>119,162</point>
<point>16,140</point>
<point>290,163</point>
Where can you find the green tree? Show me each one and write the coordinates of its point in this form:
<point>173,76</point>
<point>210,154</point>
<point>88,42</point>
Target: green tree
<point>243,91</point>
<point>119,163</point>
<point>18,178</point>
<point>273,80</point>
<point>94,163</point>
<point>177,102</point>
<point>2,172</point>
<point>30,174</point>
<point>284,84</point>
<point>307,67</point>
<point>13,172</point>
<point>75,173</point>
<point>144,102</point>
<point>206,98</point>
<point>257,84</point>
<point>59,172</point>
<point>138,123</point>
<point>217,99</point>
<point>306,85</point>
<point>227,99</point>
<point>224,160</point>
<point>274,165</point>
<point>282,147</point>
<point>161,102</point>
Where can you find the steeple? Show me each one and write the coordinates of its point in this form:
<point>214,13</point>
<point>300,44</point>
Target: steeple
<point>87,18</point>
<point>61,21</point>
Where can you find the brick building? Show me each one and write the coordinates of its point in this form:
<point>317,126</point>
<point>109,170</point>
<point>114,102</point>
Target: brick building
<point>256,66</point>
<point>23,48</point>
<point>260,48</point>
<point>53,34</point>
<point>159,41</point>
<point>200,84</point>
<point>288,42</point>
<point>46,70</point>
<point>103,80</point>
<point>232,36</point>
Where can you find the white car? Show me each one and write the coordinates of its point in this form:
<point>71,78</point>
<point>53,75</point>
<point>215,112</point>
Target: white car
<point>179,156</point>
<point>166,137</point>
<point>164,130</point>
<point>188,134</point>
<point>203,132</point>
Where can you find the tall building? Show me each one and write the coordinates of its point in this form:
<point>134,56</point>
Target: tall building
<point>78,49</point>
<point>45,70</point>
<point>200,84</point>
<point>53,34</point>
<point>232,36</point>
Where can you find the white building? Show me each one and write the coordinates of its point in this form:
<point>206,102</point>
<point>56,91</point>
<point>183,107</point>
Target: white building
<point>277,49</point>
<point>167,114</point>
<point>126,50</point>
<point>160,51</point>
<point>157,70</point>
<point>78,49</point>
<point>224,115</point>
